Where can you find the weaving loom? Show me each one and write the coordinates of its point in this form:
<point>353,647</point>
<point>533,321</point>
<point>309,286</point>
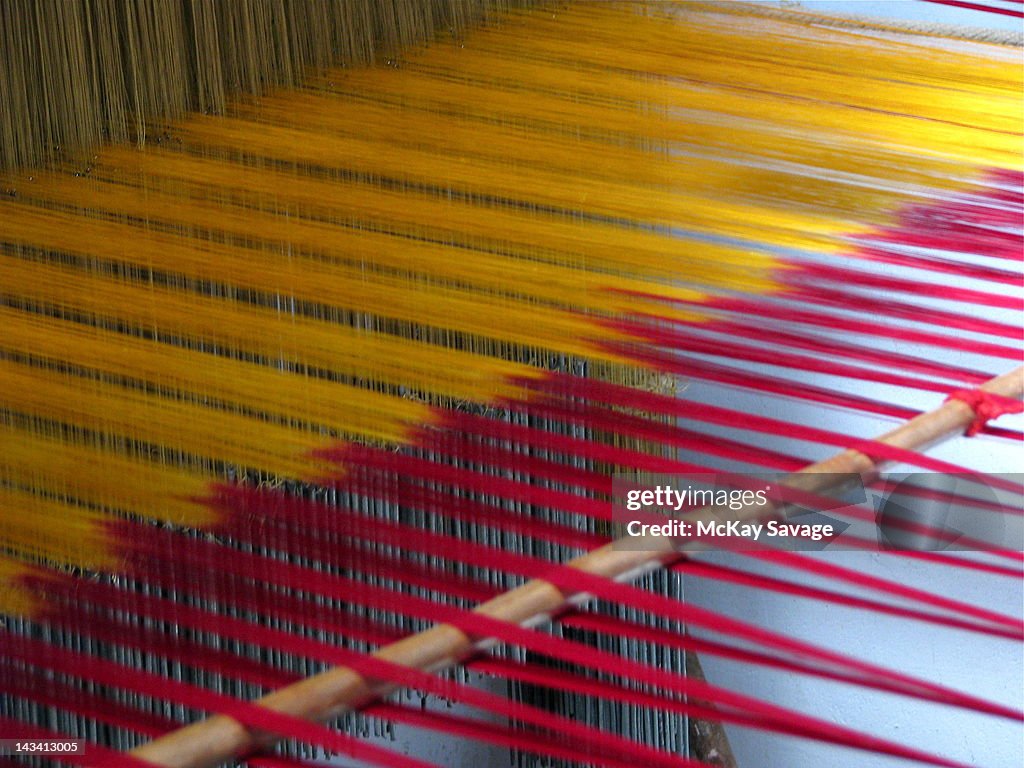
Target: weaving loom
<point>318,377</point>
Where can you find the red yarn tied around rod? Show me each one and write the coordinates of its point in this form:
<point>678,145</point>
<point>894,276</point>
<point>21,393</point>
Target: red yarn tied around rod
<point>986,406</point>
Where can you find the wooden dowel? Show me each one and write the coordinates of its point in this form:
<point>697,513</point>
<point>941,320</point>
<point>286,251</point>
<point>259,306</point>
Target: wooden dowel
<point>707,739</point>
<point>325,696</point>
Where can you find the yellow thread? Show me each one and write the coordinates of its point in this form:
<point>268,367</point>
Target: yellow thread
<point>83,471</point>
<point>40,528</point>
<point>15,600</point>
<point>316,265</point>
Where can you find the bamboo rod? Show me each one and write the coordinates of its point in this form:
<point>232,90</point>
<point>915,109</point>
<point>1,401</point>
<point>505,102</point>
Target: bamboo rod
<point>332,693</point>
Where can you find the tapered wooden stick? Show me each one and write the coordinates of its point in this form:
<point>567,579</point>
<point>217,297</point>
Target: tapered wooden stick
<point>336,691</point>
<point>708,742</point>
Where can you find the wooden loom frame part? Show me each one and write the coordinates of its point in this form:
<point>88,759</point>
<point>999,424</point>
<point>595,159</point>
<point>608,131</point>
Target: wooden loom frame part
<point>340,690</point>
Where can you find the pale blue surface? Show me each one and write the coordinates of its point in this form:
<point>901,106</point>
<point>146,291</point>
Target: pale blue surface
<point>986,667</point>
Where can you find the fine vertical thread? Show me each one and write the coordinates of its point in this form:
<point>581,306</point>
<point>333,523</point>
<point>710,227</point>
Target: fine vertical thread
<point>76,74</point>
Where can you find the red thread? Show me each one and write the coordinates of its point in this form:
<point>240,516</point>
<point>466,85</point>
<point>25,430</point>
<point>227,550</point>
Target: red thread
<point>978,7</point>
<point>986,406</point>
